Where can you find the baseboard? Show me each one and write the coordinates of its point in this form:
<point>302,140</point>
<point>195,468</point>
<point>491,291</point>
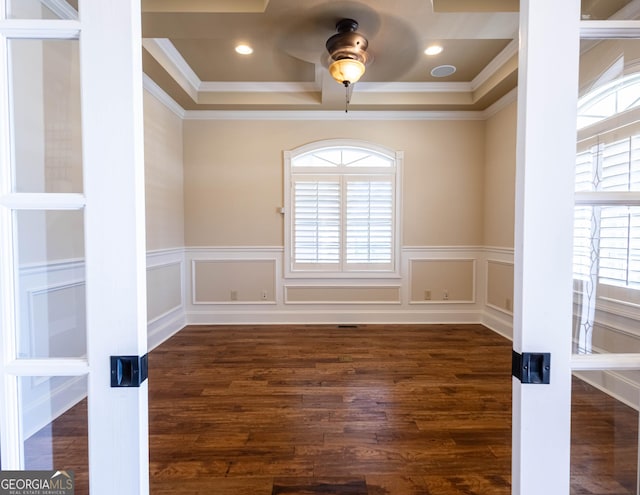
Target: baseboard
<point>614,384</point>
<point>165,327</point>
<point>42,406</point>
<point>498,322</point>
<point>334,316</point>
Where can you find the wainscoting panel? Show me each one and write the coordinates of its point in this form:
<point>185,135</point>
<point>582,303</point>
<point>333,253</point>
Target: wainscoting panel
<point>165,294</point>
<point>295,294</point>
<point>442,280</point>
<point>245,284</point>
<point>164,289</point>
<point>53,324</point>
<point>233,281</point>
<point>500,286</point>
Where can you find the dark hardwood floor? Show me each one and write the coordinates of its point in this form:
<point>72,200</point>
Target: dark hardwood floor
<point>372,409</point>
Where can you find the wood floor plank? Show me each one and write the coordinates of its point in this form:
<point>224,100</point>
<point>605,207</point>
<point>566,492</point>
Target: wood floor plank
<point>376,410</point>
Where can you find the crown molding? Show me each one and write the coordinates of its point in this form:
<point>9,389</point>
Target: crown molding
<point>492,67</point>
<point>61,8</point>
<point>502,103</point>
<point>159,94</point>
<point>258,87</point>
<point>172,61</point>
<point>327,115</point>
<point>413,87</point>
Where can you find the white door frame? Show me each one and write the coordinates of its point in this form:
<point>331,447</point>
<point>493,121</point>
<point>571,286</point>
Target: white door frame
<point>547,104</point>
<point>545,168</point>
<point>113,203</point>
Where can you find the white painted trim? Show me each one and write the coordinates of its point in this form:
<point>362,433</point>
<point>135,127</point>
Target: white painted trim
<point>626,198</point>
<point>54,266</point>
<point>180,305</point>
<point>61,8</point>
<point>43,201</point>
<point>486,285</point>
<point>586,362</point>
<point>159,94</point>
<point>499,309</point>
<point>337,302</point>
<point>501,104</point>
<point>240,250</point>
<point>413,87</point>
<point>164,327</point>
<point>35,291</point>
<point>49,367</point>
<point>498,250</point>
<point>63,397</point>
<point>330,115</point>
<point>258,87</point>
<point>40,29</point>
<point>613,384</point>
<point>172,61</point>
<point>498,323</point>
<point>492,67</point>
<point>609,29</point>
<point>335,316</point>
<point>11,444</point>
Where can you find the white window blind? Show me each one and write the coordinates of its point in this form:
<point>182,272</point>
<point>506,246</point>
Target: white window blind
<point>317,221</point>
<point>369,221</point>
<point>608,235</point>
<point>343,214</point>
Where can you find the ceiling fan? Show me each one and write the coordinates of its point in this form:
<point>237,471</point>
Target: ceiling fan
<point>348,55</point>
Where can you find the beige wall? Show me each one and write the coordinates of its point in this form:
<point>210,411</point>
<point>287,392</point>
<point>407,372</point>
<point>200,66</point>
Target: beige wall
<point>233,172</point>
<point>499,178</point>
<point>163,176</point>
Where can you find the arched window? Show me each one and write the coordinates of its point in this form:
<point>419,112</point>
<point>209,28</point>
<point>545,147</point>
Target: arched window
<point>607,214</point>
<point>342,206</point>
<point>608,100</point>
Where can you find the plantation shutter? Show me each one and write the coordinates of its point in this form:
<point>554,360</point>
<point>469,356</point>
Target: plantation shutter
<point>615,233</point>
<point>316,223</point>
<point>369,221</point>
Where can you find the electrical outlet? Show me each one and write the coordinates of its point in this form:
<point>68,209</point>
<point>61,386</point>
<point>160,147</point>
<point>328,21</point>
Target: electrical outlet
<point>234,295</point>
<point>264,294</point>
<point>445,294</point>
<point>427,295</point>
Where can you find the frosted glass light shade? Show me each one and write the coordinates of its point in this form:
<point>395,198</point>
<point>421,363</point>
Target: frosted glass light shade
<point>346,70</point>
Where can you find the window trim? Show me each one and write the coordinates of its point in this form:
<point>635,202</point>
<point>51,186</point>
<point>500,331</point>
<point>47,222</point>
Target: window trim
<point>395,156</point>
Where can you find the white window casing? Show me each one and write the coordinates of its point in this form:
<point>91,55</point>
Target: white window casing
<point>342,209</point>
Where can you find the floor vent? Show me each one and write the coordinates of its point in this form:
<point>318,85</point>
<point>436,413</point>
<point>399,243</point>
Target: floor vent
<point>301,486</point>
<point>347,326</point>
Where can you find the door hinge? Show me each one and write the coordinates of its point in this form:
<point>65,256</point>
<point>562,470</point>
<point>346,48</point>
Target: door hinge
<point>128,371</point>
<point>531,367</point>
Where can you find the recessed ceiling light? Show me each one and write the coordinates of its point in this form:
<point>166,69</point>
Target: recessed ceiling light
<point>443,70</point>
<point>433,50</point>
<point>244,49</point>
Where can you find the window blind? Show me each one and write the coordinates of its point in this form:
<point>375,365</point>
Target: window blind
<point>369,221</point>
<point>611,232</point>
<point>316,221</point>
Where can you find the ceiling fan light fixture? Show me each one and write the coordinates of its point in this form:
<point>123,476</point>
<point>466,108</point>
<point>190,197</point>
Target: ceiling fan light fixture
<point>347,70</point>
<point>348,51</point>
